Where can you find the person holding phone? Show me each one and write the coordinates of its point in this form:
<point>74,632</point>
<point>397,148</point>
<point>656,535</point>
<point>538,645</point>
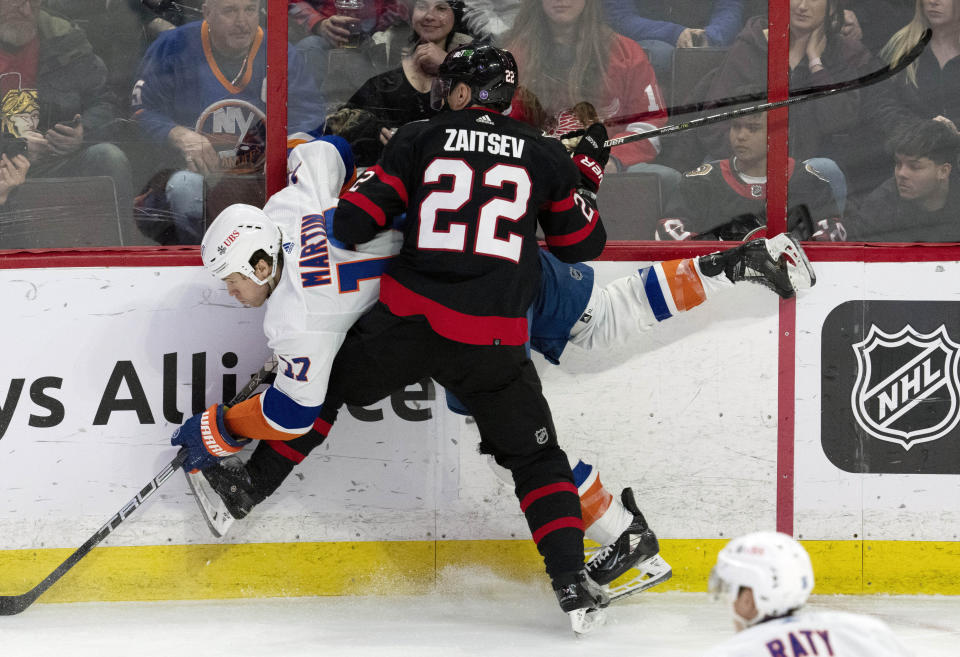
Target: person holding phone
<point>13,173</point>
<point>53,94</point>
<point>659,27</point>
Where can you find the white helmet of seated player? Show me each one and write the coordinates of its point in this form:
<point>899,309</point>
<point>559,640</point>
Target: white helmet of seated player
<point>235,237</point>
<point>773,566</point>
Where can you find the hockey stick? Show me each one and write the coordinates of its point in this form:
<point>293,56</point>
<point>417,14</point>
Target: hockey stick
<point>809,93</point>
<point>14,604</point>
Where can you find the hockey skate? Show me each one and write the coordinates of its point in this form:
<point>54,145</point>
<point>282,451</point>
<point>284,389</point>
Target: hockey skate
<point>224,494</point>
<point>778,263</point>
<point>583,601</point>
<point>632,563</point>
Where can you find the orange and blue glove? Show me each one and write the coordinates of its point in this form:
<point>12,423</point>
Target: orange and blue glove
<point>206,439</point>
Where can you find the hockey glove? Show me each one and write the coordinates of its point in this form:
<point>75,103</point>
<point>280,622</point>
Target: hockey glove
<point>777,263</point>
<point>591,156</point>
<point>206,439</point>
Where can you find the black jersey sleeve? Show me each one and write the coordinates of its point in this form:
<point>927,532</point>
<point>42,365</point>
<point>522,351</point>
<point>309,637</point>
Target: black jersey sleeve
<point>570,219</point>
<point>380,194</point>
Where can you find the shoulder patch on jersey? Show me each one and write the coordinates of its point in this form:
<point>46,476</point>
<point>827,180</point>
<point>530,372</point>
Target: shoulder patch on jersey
<point>810,169</point>
<point>484,119</point>
<point>701,170</point>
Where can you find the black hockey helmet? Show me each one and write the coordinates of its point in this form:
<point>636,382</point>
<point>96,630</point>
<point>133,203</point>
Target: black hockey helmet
<point>491,74</point>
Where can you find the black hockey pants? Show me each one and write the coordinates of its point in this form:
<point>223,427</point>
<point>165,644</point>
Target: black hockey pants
<point>500,387</point>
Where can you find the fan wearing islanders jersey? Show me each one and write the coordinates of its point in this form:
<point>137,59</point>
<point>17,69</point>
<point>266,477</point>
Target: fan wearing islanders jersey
<point>201,91</point>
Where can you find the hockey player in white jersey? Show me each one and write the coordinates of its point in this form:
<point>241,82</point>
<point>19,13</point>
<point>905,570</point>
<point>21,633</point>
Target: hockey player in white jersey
<point>286,254</point>
<point>570,307</point>
<point>766,577</point>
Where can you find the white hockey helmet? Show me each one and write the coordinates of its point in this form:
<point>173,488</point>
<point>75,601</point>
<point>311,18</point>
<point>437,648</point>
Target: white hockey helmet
<point>234,236</point>
<point>773,565</point>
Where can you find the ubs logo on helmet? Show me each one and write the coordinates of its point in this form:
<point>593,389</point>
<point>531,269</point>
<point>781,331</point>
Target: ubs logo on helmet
<point>227,241</point>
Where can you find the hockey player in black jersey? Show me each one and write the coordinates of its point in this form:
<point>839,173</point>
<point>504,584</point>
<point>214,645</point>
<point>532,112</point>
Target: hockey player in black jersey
<point>592,170</point>
<point>475,185</point>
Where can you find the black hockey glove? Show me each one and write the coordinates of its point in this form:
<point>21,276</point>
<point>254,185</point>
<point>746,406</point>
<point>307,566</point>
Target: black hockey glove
<point>591,156</point>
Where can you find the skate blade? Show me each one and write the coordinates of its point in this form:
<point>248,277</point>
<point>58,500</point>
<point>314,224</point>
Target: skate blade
<point>643,576</point>
<point>585,621</point>
<point>212,508</point>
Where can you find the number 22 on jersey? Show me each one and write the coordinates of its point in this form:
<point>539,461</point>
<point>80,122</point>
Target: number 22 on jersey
<point>508,207</point>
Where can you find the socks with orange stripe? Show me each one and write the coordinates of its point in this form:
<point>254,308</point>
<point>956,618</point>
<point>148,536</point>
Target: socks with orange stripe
<point>675,286</point>
<point>605,517</point>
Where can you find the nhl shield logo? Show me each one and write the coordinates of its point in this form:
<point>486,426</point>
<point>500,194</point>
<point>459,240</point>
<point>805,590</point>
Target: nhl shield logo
<point>907,384</point>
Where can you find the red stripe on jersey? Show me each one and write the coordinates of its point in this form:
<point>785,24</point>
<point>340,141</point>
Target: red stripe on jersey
<point>393,181</point>
<point>322,426</point>
<point>453,325</point>
<point>368,206</point>
<point>287,452</point>
<point>561,206</point>
<point>571,238</point>
<point>543,491</point>
<point>554,525</point>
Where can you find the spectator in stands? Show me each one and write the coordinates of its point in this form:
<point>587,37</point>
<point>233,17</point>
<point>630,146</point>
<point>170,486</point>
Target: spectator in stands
<point>201,92</point>
<point>921,203</point>
<point>114,30</point>
<point>662,25</point>
<point>53,94</point>
<point>566,54</point>
<point>341,24</point>
<point>819,54</point>
<point>928,89</point>
<point>726,199</point>
<point>402,94</point>
<point>930,86</point>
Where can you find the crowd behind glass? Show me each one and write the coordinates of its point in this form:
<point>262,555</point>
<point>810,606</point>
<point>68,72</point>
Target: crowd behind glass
<point>131,122</point>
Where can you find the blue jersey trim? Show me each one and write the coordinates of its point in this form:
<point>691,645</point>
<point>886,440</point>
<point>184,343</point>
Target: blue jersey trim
<point>651,285</point>
<point>286,413</point>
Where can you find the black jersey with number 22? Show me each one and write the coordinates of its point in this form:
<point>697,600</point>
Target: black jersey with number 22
<point>474,184</point>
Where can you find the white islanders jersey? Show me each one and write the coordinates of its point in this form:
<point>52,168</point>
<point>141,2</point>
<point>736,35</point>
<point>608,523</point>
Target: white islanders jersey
<point>323,289</point>
<point>814,634</point>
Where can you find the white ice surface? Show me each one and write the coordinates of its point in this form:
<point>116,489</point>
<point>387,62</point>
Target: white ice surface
<point>472,613</point>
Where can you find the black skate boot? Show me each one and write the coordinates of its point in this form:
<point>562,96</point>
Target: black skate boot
<point>224,493</point>
<point>632,562</point>
<point>583,601</point>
